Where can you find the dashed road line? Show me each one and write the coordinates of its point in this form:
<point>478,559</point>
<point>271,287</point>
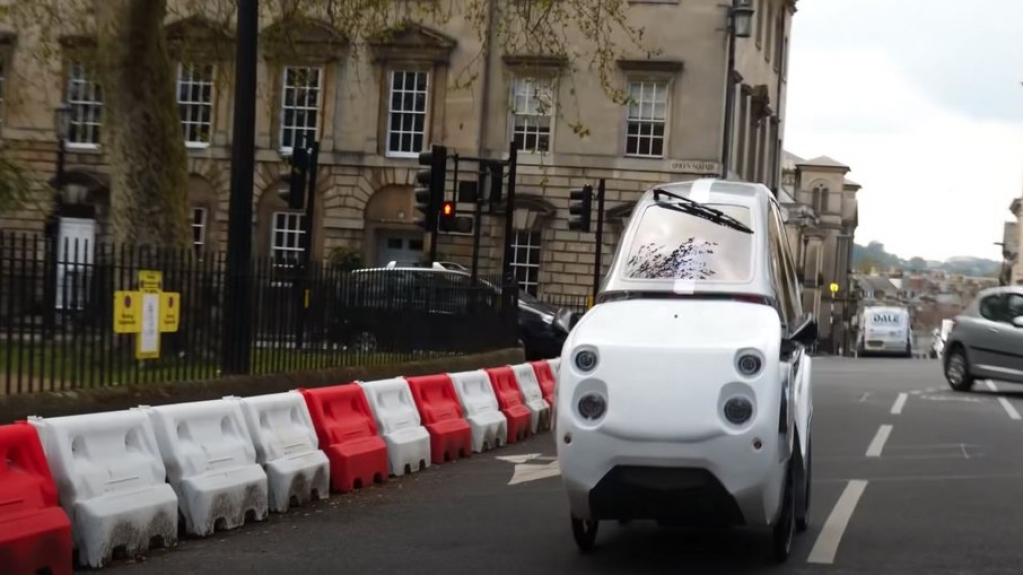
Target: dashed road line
<point>828,540</point>
<point>900,402</point>
<point>877,444</point>
<point>1009,408</point>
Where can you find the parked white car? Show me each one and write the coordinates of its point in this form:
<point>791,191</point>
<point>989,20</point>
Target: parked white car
<point>684,395</point>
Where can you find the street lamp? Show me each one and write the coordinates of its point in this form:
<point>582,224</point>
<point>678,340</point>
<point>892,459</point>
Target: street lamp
<point>742,20</point>
<point>740,25</point>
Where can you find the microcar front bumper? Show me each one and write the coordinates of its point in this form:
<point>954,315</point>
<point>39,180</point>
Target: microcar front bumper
<point>721,481</point>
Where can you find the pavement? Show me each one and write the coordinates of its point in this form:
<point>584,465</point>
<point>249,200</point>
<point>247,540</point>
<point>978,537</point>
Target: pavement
<point>909,478</point>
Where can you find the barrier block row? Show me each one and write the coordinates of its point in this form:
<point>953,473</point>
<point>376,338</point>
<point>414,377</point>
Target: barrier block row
<point>119,483</point>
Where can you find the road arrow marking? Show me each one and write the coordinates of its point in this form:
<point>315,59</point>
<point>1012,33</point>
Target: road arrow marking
<point>526,472</point>
<point>519,458</point>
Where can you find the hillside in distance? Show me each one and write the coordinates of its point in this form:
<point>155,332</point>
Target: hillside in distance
<point>874,254</point>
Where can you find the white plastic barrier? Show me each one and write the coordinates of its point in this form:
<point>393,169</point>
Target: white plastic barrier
<point>398,422</point>
<point>286,446</point>
<point>555,368</point>
<point>539,410</point>
<point>211,464</point>
<point>112,483</point>
<point>489,425</point>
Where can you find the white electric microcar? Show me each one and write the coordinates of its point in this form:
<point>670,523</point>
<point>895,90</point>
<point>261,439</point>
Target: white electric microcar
<point>684,394</point>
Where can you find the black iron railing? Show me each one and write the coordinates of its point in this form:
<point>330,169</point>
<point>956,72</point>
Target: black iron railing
<point>60,310</point>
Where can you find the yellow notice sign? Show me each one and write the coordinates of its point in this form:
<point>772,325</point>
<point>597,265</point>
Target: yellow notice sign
<point>150,280</point>
<point>170,311</point>
<point>127,312</point>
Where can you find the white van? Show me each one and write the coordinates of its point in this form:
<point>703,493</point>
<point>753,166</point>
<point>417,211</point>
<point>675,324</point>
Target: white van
<point>885,330</point>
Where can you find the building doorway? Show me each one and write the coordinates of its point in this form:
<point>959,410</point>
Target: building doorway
<point>76,246</point>
<point>404,248</point>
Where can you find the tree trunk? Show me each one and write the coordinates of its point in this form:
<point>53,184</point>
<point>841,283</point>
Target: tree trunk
<point>144,140</point>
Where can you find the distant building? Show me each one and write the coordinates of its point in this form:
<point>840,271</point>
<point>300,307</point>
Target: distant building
<point>823,214</point>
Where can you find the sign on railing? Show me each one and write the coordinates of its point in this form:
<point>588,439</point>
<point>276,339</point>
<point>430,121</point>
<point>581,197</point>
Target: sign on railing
<point>147,313</point>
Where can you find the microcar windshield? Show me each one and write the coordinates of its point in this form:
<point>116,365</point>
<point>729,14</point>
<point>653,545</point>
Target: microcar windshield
<point>673,245</point>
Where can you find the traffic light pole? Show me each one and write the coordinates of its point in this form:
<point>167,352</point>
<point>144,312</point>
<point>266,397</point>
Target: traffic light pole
<point>305,282</point>
<point>477,225</point>
<point>598,254</point>
<point>236,339</point>
<point>510,291</point>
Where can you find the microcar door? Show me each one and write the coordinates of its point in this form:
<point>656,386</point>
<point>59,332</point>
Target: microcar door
<point>786,283</point>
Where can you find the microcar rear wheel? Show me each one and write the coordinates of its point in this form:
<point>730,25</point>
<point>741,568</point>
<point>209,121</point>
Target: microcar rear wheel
<point>785,529</point>
<point>585,533</point>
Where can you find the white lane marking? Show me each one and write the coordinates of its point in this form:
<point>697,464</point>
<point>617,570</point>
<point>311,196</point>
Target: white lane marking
<point>900,402</point>
<point>1008,407</point>
<point>826,546</point>
<point>864,397</point>
<point>877,445</point>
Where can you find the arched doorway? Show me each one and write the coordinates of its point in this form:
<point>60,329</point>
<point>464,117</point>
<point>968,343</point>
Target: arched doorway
<point>390,232</point>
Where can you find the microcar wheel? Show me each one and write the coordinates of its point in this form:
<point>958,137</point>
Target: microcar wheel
<point>585,534</point>
<point>957,370</point>
<point>785,528</point>
<point>803,518</point>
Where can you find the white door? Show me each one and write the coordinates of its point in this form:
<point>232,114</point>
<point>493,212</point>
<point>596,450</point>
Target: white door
<point>75,251</point>
<point>402,247</point>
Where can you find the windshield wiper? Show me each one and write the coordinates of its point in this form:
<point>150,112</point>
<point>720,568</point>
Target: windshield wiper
<point>693,208</point>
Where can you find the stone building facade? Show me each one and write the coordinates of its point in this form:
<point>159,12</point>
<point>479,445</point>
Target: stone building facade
<point>372,110</point>
<point>823,217</point>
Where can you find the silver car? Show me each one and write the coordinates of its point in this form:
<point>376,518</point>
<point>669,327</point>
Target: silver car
<point>986,341</point>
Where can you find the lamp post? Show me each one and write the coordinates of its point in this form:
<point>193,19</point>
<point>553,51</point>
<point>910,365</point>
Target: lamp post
<point>62,128</point>
<point>740,25</point>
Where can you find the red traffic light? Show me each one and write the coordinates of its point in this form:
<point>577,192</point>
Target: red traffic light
<point>448,209</point>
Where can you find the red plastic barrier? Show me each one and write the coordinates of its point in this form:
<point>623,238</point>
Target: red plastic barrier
<point>545,375</point>
<point>450,434</point>
<point>348,435</point>
<point>35,533</point>
<point>511,402</point>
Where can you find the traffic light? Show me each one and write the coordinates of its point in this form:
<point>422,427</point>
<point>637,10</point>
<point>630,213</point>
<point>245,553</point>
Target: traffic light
<point>296,178</point>
<point>580,208</point>
<point>447,216</point>
<point>429,192</point>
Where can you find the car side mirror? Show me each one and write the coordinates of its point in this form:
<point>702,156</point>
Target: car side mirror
<point>1018,321</point>
<point>806,332</point>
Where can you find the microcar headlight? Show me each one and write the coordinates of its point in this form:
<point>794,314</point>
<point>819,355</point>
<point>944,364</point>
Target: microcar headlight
<point>592,406</point>
<point>749,362</point>
<point>585,360</point>
<point>738,410</point>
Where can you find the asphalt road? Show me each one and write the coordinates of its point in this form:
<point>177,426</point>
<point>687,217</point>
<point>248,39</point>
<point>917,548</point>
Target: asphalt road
<point>926,480</point>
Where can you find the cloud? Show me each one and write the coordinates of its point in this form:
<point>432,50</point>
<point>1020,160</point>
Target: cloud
<point>968,56</point>
<point>936,182</point>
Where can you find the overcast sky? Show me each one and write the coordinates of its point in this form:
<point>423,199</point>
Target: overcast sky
<point>922,99</point>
